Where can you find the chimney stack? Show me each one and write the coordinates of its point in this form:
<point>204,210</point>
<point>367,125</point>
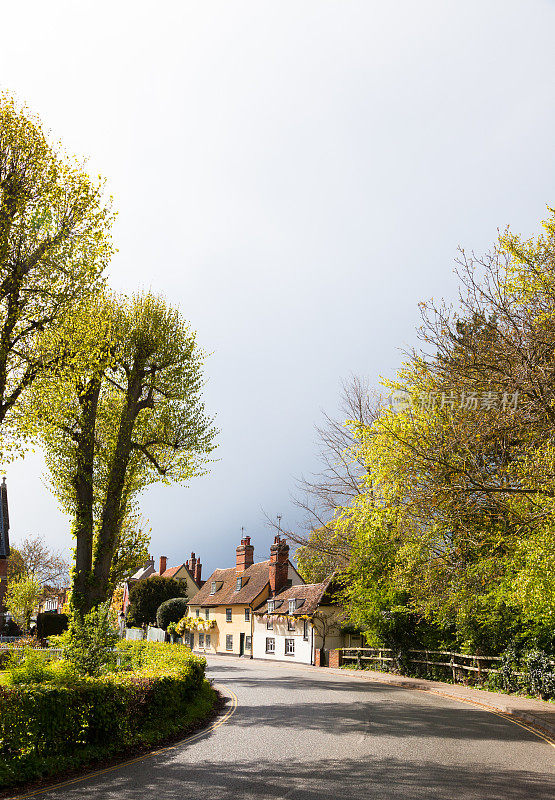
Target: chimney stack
<point>245,555</point>
<point>197,572</point>
<point>279,565</point>
<point>163,564</point>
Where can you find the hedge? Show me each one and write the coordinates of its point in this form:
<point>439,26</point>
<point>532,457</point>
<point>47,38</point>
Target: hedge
<point>45,728</point>
<point>49,624</point>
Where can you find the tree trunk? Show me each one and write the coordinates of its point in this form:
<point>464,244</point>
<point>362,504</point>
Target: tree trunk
<point>111,513</point>
<point>83,483</point>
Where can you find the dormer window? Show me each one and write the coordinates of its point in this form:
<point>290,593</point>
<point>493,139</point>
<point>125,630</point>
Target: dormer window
<point>271,604</point>
<point>213,588</point>
<point>292,606</point>
<point>239,584</point>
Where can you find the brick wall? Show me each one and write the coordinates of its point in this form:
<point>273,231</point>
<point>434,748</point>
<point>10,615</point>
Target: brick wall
<point>336,658</point>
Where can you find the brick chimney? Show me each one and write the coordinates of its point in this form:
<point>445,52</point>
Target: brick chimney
<point>197,572</point>
<point>163,564</point>
<point>245,555</point>
<point>191,565</point>
<point>279,565</point>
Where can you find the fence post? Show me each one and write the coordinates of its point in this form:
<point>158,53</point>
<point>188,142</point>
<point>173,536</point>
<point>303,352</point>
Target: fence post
<point>453,668</point>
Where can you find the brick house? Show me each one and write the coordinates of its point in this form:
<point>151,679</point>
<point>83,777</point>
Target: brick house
<point>221,613</point>
<point>4,544</point>
<point>189,572</point>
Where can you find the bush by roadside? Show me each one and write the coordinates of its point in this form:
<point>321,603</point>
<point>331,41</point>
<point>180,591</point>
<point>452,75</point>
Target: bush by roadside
<point>53,719</point>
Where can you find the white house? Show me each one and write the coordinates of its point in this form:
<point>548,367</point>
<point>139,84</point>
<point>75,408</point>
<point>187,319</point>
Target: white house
<point>294,623</point>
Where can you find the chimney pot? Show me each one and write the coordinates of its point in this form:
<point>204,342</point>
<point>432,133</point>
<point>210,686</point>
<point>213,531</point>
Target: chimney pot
<point>163,564</point>
<point>244,555</point>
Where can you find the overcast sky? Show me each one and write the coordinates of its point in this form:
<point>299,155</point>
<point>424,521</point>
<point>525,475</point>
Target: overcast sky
<point>296,176</point>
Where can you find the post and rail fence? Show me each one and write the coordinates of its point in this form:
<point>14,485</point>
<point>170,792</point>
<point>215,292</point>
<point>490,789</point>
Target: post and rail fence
<point>457,664</point>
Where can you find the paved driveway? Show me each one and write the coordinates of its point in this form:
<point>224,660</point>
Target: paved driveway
<point>301,733</point>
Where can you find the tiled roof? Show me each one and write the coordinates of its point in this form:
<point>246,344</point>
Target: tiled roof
<point>308,596</point>
<point>171,571</point>
<point>255,578</point>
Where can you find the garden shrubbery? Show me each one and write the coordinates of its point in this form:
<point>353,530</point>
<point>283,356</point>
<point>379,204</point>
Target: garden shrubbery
<point>54,718</point>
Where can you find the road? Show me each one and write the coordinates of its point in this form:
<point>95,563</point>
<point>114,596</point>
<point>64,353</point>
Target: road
<point>306,734</point>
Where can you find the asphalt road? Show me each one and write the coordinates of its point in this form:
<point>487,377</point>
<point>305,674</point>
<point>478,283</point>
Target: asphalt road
<point>305,734</point>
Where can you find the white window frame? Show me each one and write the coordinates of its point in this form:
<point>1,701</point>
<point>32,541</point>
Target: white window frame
<point>248,643</point>
<point>305,630</point>
<point>271,606</point>
<point>247,615</point>
<point>238,584</point>
<point>270,645</point>
<point>201,639</point>
<point>207,613</point>
<point>292,606</point>
<point>213,587</point>
<point>207,640</point>
<point>289,647</point>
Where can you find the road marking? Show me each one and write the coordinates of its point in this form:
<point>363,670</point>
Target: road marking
<point>193,738</point>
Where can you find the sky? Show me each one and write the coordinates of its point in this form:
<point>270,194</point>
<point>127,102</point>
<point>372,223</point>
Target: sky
<point>296,176</point>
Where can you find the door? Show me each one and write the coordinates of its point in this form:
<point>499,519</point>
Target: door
<point>241,644</point>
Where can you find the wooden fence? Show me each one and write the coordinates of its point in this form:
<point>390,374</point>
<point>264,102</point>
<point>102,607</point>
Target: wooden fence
<point>443,659</point>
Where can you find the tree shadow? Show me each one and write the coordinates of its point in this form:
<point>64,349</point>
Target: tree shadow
<point>349,779</point>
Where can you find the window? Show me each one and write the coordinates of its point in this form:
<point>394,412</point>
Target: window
<point>247,614</point>
<point>201,640</point>
<point>213,587</point>
<point>229,641</point>
<point>270,625</point>
<point>292,606</point>
<point>207,613</point>
<point>238,584</point>
<point>289,647</point>
<point>271,606</point>
<point>208,640</point>
<point>305,630</point>
<point>198,612</point>
<point>270,645</point>
<point>228,615</point>
<point>248,643</point>
<point>290,624</point>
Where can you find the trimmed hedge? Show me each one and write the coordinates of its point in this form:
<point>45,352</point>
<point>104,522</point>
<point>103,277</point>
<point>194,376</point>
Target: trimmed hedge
<point>45,728</point>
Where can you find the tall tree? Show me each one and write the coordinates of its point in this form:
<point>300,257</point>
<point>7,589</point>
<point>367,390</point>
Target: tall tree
<point>34,559</point>
<point>134,417</point>
<point>54,245</point>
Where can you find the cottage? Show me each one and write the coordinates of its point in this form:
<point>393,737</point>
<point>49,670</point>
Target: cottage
<point>189,572</point>
<point>220,617</point>
<point>297,622</point>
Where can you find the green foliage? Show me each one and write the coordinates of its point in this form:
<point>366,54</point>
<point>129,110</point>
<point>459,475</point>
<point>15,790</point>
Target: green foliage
<point>47,727</point>
<point>89,641</point>
<point>171,610</point>
<point>54,245</point>
<point>22,598</point>
<point>147,596</point>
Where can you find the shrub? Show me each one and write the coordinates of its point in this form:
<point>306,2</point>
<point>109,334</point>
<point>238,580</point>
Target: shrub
<point>89,641</point>
<point>539,673</point>
<point>147,596</point>
<point>46,727</point>
<point>51,624</point>
<point>171,611</point>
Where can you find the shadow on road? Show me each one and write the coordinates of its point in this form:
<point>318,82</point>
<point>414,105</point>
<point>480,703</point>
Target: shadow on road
<point>386,779</point>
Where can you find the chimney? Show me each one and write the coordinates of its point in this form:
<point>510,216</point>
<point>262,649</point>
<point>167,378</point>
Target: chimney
<point>191,565</point>
<point>197,573</point>
<point>245,555</point>
<point>279,565</point>
<point>163,564</point>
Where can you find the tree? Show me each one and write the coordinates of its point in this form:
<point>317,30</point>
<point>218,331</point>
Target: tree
<point>132,548</point>
<point>54,245</point>
<point>148,595</point>
<point>135,417</point>
<point>21,599</point>
<point>34,559</point>
<point>89,641</point>
<point>324,546</point>
<point>171,610</point>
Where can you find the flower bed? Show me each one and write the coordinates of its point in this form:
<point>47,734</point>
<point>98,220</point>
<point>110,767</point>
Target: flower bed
<point>46,726</point>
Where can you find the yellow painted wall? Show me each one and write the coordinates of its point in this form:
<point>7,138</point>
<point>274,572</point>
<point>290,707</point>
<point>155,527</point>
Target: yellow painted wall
<point>223,628</point>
